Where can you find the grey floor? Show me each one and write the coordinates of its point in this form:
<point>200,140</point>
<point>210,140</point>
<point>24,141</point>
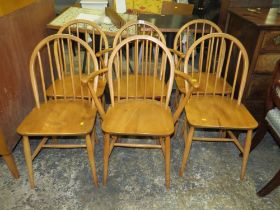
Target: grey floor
<point>136,179</point>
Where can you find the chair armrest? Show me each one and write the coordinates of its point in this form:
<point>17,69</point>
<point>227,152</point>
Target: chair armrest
<point>193,82</point>
<point>102,52</point>
<point>178,53</point>
<point>86,80</point>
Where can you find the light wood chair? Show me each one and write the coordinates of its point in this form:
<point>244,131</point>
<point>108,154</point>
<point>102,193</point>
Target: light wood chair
<point>145,54</point>
<point>60,115</point>
<point>140,115</point>
<point>219,111</point>
<point>184,38</point>
<point>95,37</point>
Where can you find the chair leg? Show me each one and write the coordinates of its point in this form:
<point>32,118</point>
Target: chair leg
<point>260,133</point>
<point>90,150</point>
<point>246,153</point>
<point>106,157</point>
<point>28,160</point>
<point>167,162</point>
<point>11,164</point>
<point>271,185</point>
<point>188,142</point>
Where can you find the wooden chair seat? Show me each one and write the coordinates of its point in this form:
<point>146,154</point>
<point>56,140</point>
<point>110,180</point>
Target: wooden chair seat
<point>138,117</point>
<point>77,88</point>
<point>180,82</point>
<point>59,118</point>
<point>146,87</point>
<point>218,112</point>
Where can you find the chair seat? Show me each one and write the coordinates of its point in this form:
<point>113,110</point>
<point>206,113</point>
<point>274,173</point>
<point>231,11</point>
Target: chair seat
<point>77,85</point>
<point>218,112</point>
<point>180,82</point>
<point>61,117</point>
<point>141,84</point>
<point>138,117</point>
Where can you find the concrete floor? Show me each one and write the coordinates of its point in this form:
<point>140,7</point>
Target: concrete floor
<point>136,179</point>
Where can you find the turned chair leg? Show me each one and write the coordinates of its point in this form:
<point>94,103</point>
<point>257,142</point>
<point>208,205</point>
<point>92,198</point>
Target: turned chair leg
<point>271,185</point>
<point>167,162</point>
<point>188,142</point>
<point>246,152</point>
<point>11,164</point>
<point>90,150</point>
<point>106,157</point>
<point>28,160</point>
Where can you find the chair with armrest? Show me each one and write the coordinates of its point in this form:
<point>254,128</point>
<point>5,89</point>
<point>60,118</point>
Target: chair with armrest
<point>59,115</point>
<point>92,34</point>
<point>142,114</point>
<point>218,110</point>
<point>270,123</point>
<point>145,54</point>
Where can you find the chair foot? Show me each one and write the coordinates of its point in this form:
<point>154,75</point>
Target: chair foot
<point>90,150</point>
<point>106,157</point>
<point>167,162</point>
<point>28,160</point>
<point>188,142</point>
<point>246,153</point>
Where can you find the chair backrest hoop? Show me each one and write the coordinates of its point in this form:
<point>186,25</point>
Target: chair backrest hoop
<point>242,54</point>
<point>36,53</point>
<point>141,23</point>
<point>134,38</point>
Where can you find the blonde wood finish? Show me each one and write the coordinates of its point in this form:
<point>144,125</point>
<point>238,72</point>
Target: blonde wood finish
<point>142,63</point>
<point>58,115</point>
<point>88,30</point>
<point>189,33</point>
<point>139,115</point>
<point>219,110</point>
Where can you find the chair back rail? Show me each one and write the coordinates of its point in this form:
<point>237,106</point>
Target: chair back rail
<point>91,33</point>
<point>53,58</point>
<point>222,55</point>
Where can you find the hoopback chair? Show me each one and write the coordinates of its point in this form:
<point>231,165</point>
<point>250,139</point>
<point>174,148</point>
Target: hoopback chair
<point>95,37</point>
<point>270,123</point>
<point>59,115</point>
<point>140,115</point>
<point>184,38</point>
<point>145,54</point>
<point>219,111</point>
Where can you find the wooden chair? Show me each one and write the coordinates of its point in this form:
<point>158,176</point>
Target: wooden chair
<point>219,111</point>
<point>184,38</point>
<point>60,115</point>
<point>270,123</point>
<point>139,115</point>
<point>95,37</point>
<point>145,54</point>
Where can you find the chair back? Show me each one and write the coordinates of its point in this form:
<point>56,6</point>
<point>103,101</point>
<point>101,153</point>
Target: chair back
<point>222,55</point>
<point>53,58</point>
<point>144,79</point>
<point>138,27</point>
<point>91,33</point>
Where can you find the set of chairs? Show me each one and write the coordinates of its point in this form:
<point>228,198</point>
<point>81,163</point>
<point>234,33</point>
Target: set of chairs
<point>69,76</point>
